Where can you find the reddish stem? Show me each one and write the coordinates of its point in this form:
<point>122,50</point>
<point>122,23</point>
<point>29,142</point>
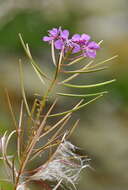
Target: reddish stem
<point>43,184</point>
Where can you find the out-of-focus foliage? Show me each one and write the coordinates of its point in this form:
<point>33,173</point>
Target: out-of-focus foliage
<point>104,133</point>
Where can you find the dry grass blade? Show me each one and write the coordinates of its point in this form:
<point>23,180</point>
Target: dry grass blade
<point>52,139</point>
<point>44,121</point>
<point>42,149</point>
<point>6,161</point>
<point>13,170</point>
<point>61,120</point>
<point>6,146</point>
<point>64,119</point>
<point>63,137</point>
<point>34,106</point>
<point>10,108</point>
<point>29,149</point>
<point>60,128</point>
<point>58,184</point>
<point>9,165</point>
<point>19,138</point>
<point>73,128</point>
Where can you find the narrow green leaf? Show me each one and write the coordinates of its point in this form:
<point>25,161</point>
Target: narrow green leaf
<point>76,74</point>
<point>35,66</point>
<point>27,51</point>
<point>102,62</point>
<point>78,108</point>
<point>39,70</point>
<point>22,89</point>
<point>86,71</point>
<point>75,61</point>
<point>38,74</point>
<point>82,95</point>
<point>89,86</point>
<point>11,109</point>
<point>22,42</point>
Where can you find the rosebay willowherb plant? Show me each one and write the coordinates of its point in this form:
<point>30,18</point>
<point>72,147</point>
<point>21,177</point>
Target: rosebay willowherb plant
<point>35,137</point>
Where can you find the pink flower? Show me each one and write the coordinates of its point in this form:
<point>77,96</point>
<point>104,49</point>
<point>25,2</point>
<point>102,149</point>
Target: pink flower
<point>81,39</point>
<point>53,34</point>
<point>90,49</point>
<point>77,44</point>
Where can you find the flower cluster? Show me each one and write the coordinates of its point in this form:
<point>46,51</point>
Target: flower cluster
<point>76,44</point>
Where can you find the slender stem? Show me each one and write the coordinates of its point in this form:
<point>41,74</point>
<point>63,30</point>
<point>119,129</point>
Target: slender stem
<point>44,184</point>
<point>29,149</point>
<point>59,64</point>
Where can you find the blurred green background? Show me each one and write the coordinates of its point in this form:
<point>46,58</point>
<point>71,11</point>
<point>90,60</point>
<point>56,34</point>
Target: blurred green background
<point>103,130</point>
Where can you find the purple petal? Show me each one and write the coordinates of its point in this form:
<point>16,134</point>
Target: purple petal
<point>76,48</point>
<point>85,37</point>
<point>90,53</point>
<point>93,45</point>
<point>76,37</point>
<point>64,34</point>
<point>53,32</point>
<point>47,39</point>
<point>59,44</point>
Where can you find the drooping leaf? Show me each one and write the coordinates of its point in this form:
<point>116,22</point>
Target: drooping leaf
<point>82,95</point>
<point>78,108</point>
<point>91,85</point>
<point>83,72</point>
